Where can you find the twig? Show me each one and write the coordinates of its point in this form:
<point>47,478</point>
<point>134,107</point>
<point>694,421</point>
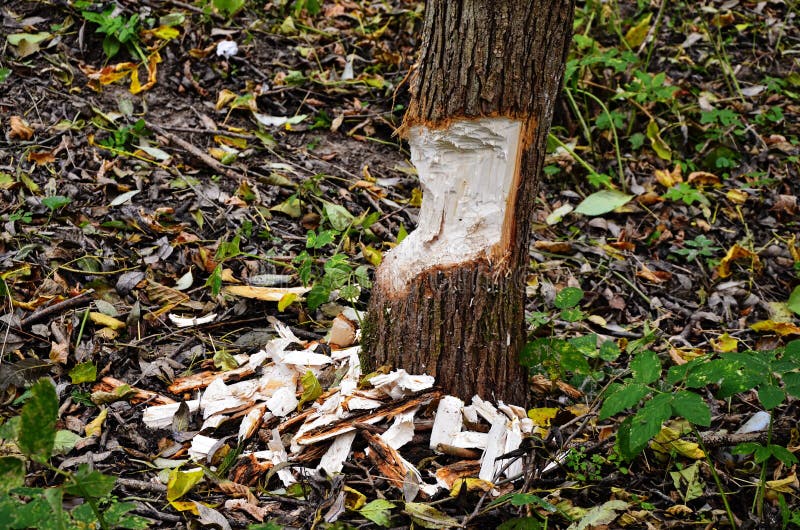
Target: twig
<point>195,152</point>
<point>55,308</point>
<point>141,485</point>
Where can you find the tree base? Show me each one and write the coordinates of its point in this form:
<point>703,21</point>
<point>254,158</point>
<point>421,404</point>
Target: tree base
<point>459,324</point>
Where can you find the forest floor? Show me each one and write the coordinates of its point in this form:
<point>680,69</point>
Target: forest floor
<point>171,206</point>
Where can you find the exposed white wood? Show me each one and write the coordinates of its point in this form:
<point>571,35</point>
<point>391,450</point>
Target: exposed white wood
<point>448,421</point>
<point>401,431</point>
<point>467,173</point>
<point>283,401</point>
<point>495,446</point>
<point>470,440</point>
<point>201,445</point>
<point>334,458</point>
<point>399,383</point>
<point>160,416</point>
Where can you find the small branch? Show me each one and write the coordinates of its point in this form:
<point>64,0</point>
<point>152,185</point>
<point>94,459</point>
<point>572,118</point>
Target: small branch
<point>56,308</point>
<point>195,152</point>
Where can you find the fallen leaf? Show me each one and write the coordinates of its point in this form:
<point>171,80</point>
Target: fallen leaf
<point>737,252</point>
<point>95,427</point>
<point>703,178</point>
<point>105,320</point>
<point>669,178</point>
<point>653,276</point>
<point>19,129</point>
<point>781,328</point>
<point>268,294</point>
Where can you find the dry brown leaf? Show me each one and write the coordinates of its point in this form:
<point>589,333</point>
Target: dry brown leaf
<point>19,129</point>
<point>653,276</point>
<point>703,178</point>
<point>41,157</point>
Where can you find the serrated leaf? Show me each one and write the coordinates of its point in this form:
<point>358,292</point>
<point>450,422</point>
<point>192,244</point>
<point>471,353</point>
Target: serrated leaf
<point>783,454</point>
<point>378,511</point>
<point>12,473</point>
<point>317,296</point>
<point>692,407</point>
<point>90,483</point>
<point>568,297</point>
<point>181,482</point>
<point>37,431</point>
<point>85,372</point>
<point>647,421</point>
<point>54,202</point>
<point>646,367</point>
<point>311,388</point>
<point>624,398</point>
<point>602,202</point>
<point>771,396</point>
<point>521,523</point>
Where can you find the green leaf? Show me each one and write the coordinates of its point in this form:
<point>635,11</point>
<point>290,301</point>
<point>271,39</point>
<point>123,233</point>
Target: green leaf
<point>609,351</point>
<point>311,388</point>
<point>523,499</point>
<point>771,396</point>
<point>317,296</point>
<point>792,383</point>
<point>214,281</point>
<point>181,482</point>
<point>783,454</point>
<point>65,441</point>
<point>90,483</point>
<point>37,430</point>
<point>568,297</point>
<point>661,147</point>
<point>647,421</point>
<point>54,202</point>
<point>746,448</point>
<point>602,202</point>
<point>692,407</point>
<point>85,372</point>
<point>624,398</point>
<point>12,473</point>
<point>228,7</point>
<point>378,511</point>
<point>794,300</point>
<point>646,367</point>
<point>224,361</point>
<point>338,216</point>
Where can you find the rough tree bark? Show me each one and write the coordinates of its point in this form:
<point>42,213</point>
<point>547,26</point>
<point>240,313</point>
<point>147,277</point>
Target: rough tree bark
<point>449,300</point>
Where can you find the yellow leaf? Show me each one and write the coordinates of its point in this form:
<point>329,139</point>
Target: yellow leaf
<point>416,198</point>
<point>268,294</point>
<point>353,499</point>
<point>734,253</point>
<point>163,32</point>
<point>225,96</point>
<point>725,343</point>
<point>181,482</point>
<point>541,417</point>
<point>185,506</point>
<point>374,256</point>
<point>784,485</point>
<point>105,320</point>
<point>702,178</point>
<point>669,440</point>
<point>636,35</point>
<point>678,510</point>
<point>669,178</point>
<point>95,427</point>
<point>286,300</point>
<point>781,328</point>
<point>737,196</point>
<point>471,484</point>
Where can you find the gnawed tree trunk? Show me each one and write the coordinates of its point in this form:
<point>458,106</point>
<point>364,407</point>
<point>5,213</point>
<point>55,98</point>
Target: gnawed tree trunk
<point>449,300</point>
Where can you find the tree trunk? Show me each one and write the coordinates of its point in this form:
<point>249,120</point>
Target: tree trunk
<point>449,300</point>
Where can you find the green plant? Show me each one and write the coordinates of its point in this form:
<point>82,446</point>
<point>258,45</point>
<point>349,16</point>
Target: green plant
<point>687,194</point>
<point>35,435</point>
<point>119,31</point>
<point>701,247</point>
<point>584,467</point>
<point>774,374</point>
<point>123,137</point>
